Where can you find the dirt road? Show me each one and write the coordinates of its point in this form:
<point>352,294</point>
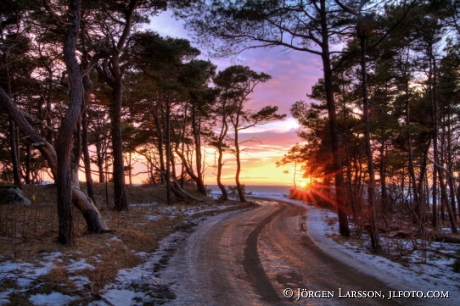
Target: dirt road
<point>264,256</point>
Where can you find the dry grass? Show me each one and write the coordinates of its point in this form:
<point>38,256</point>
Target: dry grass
<point>28,233</point>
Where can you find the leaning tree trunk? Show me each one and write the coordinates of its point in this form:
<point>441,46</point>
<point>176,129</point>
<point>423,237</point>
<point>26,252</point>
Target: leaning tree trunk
<point>14,153</point>
<point>12,125</point>
<point>79,199</point>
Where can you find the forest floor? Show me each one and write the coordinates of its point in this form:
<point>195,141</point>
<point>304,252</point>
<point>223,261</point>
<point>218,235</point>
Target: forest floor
<point>36,270</point>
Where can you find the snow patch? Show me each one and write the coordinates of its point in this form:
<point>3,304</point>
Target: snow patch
<point>412,276</point>
<point>52,299</point>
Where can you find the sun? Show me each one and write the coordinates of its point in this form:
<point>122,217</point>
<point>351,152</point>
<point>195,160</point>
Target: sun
<point>303,184</point>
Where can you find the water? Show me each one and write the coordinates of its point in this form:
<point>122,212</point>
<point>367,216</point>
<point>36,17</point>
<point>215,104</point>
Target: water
<point>258,191</point>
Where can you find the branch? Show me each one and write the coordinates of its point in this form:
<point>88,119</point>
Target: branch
<point>444,169</point>
<point>438,252</point>
<point>35,120</point>
<point>47,150</point>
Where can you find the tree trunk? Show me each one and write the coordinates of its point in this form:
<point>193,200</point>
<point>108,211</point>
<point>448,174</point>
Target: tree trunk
<point>68,125</point>
<point>160,146</point>
<point>87,159</point>
<point>449,163</point>
<point>198,156</point>
<point>183,146</point>
<point>13,131</point>
<point>375,240</point>
<point>59,160</point>
<point>120,203</point>
<point>168,153</point>
<point>28,163</point>
<point>239,187</point>
<point>100,158</point>
<point>434,106</point>
<point>220,165</point>
<point>335,137</point>
<point>87,86</point>
<point>14,153</point>
<point>220,151</point>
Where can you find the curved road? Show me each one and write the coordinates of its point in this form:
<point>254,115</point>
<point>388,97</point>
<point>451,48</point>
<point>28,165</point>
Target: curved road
<point>251,257</point>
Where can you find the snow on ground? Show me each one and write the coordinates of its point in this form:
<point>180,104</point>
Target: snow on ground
<point>138,285</point>
<point>131,287</point>
<point>54,298</point>
<point>435,275</point>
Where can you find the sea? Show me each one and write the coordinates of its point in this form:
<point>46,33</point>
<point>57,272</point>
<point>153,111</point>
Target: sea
<point>255,190</point>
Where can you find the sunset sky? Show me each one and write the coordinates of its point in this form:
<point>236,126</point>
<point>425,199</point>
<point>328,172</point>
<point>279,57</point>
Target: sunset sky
<point>293,74</point>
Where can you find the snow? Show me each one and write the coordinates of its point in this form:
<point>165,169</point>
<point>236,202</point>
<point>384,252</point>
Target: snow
<point>123,297</point>
<point>435,275</point>
<point>79,265</point>
<point>24,273</point>
<point>321,226</point>
<point>52,299</point>
<point>4,297</point>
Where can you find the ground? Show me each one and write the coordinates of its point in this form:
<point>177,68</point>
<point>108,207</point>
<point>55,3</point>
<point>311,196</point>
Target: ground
<point>36,270</point>
<point>121,268</point>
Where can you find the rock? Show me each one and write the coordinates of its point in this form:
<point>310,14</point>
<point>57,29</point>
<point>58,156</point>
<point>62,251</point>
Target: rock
<point>13,195</point>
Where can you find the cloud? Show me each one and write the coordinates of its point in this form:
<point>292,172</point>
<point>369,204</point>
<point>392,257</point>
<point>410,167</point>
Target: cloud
<point>293,75</point>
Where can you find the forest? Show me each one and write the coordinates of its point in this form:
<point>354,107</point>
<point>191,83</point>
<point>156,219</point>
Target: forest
<point>83,84</point>
<point>380,144</point>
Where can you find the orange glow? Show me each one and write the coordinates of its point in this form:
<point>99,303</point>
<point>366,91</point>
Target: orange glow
<point>258,166</point>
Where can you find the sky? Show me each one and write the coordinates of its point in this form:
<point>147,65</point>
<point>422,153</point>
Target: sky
<point>293,74</point>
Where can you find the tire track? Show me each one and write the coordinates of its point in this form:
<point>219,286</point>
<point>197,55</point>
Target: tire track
<point>252,265</point>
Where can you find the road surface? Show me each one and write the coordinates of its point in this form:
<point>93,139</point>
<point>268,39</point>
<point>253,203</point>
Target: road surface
<point>256,257</point>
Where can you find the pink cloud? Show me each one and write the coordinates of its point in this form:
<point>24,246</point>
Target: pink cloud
<point>293,75</point>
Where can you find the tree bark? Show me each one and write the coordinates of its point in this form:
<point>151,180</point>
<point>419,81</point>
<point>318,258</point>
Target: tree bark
<point>13,131</point>
<point>79,199</point>
<point>28,163</point>
<point>100,158</point>
<point>88,87</point>
<point>335,137</point>
<point>115,80</point>
<point>168,153</point>
<point>68,125</point>
<point>449,162</point>
<point>198,156</point>
<point>375,240</point>
<point>235,122</point>
<point>120,202</point>
<point>160,144</point>
<point>220,151</point>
